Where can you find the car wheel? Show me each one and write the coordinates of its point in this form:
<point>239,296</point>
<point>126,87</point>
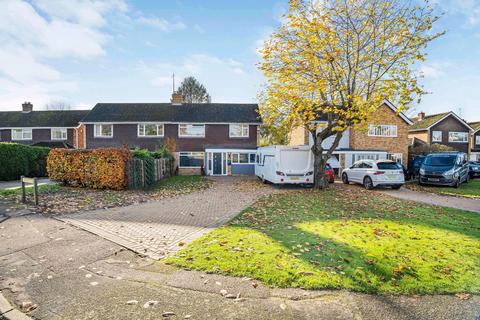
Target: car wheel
<point>345,178</point>
<point>368,183</point>
<point>456,184</point>
<point>467,178</point>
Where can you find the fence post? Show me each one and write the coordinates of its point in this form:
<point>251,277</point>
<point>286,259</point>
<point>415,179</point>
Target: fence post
<point>24,196</point>
<point>35,190</point>
<point>143,172</point>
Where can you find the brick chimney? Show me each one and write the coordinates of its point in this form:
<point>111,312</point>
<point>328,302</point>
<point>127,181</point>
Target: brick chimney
<point>27,107</point>
<point>176,99</point>
<point>421,116</point>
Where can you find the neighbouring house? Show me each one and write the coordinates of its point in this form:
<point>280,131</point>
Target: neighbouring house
<point>221,138</point>
<point>386,137</point>
<point>444,128</point>
<point>475,141</point>
<point>51,128</point>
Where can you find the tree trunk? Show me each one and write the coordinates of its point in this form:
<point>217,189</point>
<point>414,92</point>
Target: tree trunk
<point>320,159</point>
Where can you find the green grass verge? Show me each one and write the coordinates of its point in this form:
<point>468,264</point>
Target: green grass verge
<point>467,190</point>
<point>46,188</point>
<point>345,238</point>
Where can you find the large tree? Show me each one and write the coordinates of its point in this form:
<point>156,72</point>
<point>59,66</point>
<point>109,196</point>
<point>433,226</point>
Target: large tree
<point>339,59</point>
<point>193,91</point>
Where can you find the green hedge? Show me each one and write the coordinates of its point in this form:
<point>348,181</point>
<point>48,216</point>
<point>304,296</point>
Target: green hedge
<point>17,160</point>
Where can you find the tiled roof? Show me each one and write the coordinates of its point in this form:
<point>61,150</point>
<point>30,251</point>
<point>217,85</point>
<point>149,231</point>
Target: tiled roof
<point>51,118</point>
<point>166,112</point>
<point>475,125</point>
<point>427,121</point>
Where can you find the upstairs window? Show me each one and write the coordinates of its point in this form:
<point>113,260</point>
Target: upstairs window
<point>103,131</point>
<point>437,136</point>
<point>22,134</point>
<point>191,130</point>
<point>59,133</point>
<point>458,137</point>
<point>238,130</point>
<point>150,130</point>
<point>382,130</point>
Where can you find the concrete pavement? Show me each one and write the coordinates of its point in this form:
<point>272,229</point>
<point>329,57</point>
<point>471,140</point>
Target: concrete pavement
<point>68,273</point>
<point>18,184</point>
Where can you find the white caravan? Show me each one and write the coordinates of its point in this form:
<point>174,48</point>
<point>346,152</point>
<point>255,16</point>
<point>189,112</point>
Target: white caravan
<point>284,164</point>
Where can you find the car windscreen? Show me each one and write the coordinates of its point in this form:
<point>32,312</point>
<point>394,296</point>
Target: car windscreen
<point>388,166</point>
<point>441,160</point>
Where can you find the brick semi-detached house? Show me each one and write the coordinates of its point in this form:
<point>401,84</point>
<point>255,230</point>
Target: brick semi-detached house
<point>386,137</point>
<point>443,128</point>
<point>50,128</point>
<point>221,138</point>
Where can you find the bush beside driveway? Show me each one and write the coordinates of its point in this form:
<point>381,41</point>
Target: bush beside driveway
<point>346,238</point>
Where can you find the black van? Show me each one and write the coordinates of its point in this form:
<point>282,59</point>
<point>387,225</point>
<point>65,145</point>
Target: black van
<point>446,168</point>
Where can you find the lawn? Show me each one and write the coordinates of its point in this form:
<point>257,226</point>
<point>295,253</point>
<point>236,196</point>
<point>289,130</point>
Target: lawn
<point>467,190</point>
<point>42,189</point>
<point>345,238</point>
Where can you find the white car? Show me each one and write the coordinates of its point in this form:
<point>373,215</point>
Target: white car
<point>373,173</point>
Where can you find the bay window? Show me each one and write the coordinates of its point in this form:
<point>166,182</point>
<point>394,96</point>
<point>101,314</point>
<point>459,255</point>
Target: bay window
<point>191,159</point>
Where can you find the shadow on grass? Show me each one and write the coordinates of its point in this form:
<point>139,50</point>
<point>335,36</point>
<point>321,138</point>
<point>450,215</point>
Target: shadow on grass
<point>345,238</point>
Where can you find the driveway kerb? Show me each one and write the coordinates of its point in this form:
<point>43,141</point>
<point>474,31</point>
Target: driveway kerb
<point>9,312</point>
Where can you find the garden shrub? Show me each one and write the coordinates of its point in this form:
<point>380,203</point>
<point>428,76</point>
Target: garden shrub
<point>103,168</point>
<point>21,160</point>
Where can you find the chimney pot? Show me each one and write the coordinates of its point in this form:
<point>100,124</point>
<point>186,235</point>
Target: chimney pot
<point>421,116</point>
<point>27,107</point>
<point>176,98</point>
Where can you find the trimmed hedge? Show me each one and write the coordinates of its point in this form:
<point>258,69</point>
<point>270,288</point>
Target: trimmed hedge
<point>104,168</point>
<point>21,160</point>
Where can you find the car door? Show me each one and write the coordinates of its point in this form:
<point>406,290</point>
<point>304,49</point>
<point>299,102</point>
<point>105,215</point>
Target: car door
<point>355,171</point>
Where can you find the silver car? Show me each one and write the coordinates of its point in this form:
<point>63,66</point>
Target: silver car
<point>373,173</point>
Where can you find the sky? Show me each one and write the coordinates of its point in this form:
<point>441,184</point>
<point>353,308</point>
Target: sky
<point>82,52</point>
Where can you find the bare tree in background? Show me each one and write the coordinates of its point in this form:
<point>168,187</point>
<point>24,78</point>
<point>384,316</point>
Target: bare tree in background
<point>58,105</point>
<point>193,91</point>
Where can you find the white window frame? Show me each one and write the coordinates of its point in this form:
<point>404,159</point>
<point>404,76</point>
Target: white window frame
<point>477,140</point>
<point>433,136</point>
<point>158,125</point>
<point>101,125</point>
<point>24,130</point>
<point>464,134</point>
<point>189,154</point>
<point>238,157</point>
<point>190,135</point>
<point>244,130</point>
<point>64,134</point>
<point>383,128</point>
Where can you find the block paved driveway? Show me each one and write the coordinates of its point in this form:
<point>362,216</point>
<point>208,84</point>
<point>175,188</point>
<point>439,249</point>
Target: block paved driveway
<point>158,229</point>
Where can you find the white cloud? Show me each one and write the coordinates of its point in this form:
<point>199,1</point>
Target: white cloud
<point>161,23</point>
<point>34,33</point>
<point>469,9</point>
<point>199,29</point>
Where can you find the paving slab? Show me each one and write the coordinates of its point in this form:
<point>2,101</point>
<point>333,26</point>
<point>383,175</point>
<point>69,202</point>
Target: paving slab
<point>158,229</point>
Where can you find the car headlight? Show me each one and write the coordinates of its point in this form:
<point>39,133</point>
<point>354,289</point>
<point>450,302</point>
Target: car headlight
<point>455,175</point>
<point>449,172</point>
<point>422,171</point>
